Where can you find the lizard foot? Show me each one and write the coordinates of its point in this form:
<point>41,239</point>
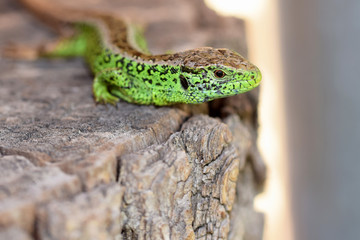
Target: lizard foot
<point>105,97</point>
<point>102,94</point>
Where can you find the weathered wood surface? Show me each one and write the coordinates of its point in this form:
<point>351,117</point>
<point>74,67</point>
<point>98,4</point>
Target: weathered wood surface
<point>70,169</point>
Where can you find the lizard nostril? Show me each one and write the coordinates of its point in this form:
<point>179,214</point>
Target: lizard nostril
<point>257,76</point>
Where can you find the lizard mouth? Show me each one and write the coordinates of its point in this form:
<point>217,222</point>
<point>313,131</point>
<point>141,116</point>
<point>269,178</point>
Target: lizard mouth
<point>231,87</point>
<point>254,75</point>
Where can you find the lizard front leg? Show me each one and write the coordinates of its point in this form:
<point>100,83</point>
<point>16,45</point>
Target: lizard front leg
<point>112,84</point>
<point>101,91</point>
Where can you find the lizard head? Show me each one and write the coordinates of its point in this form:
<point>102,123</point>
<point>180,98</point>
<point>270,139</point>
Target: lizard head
<point>208,73</point>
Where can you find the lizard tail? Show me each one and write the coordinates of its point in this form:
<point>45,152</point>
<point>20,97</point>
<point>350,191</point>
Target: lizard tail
<point>62,19</point>
<point>53,14</point>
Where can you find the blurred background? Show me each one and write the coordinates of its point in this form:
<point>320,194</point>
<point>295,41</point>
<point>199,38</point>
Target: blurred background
<point>309,113</point>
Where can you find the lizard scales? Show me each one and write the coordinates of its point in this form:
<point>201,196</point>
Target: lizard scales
<point>123,71</point>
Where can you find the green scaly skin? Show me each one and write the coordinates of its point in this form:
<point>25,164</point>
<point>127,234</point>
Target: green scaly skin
<point>193,76</point>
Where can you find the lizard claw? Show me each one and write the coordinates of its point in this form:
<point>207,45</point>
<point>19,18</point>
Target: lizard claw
<point>106,97</point>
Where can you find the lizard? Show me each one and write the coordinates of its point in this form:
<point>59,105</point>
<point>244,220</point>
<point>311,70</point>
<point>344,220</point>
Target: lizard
<point>124,70</point>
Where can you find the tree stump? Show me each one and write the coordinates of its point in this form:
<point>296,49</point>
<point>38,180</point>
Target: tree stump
<point>71,169</point>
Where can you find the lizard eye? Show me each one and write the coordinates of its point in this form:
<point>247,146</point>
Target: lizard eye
<point>219,73</point>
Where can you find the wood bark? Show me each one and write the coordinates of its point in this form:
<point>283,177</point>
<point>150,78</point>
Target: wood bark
<point>71,169</point>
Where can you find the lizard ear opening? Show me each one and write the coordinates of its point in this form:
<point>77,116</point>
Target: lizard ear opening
<point>184,82</point>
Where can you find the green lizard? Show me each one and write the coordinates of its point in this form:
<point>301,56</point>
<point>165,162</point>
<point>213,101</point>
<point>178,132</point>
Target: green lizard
<point>123,70</point>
